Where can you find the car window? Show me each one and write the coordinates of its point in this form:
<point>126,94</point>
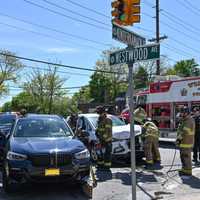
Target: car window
<point>115,120</point>
<point>41,127</point>
<point>7,119</point>
<point>81,124</point>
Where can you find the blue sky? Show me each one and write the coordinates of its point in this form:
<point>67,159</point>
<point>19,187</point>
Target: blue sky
<point>183,41</point>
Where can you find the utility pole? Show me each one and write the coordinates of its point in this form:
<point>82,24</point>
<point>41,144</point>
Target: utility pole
<point>132,136</point>
<point>157,33</point>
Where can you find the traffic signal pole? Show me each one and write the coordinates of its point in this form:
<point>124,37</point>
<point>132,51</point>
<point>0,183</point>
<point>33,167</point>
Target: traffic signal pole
<point>157,33</point>
<point>132,133</point>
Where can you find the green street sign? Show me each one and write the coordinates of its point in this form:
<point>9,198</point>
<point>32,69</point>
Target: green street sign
<point>137,54</point>
<point>127,37</point>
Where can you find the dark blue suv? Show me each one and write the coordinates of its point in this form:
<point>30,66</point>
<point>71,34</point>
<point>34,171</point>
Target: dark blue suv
<point>43,148</point>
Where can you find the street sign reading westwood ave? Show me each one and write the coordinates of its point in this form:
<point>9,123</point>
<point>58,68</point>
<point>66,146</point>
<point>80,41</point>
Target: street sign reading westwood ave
<point>126,36</point>
<point>133,55</point>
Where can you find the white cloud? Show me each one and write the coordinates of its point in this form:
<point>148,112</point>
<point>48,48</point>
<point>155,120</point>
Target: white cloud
<point>62,50</point>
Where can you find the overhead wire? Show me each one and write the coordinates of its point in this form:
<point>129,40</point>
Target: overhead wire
<point>57,64</point>
<point>48,36</point>
<point>188,7</point>
<point>53,29</point>
<point>74,12</point>
<point>66,16</point>
<point>86,8</point>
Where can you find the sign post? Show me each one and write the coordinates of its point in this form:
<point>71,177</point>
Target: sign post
<point>132,132</point>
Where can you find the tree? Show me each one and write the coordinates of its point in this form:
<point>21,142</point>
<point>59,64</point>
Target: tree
<point>9,69</point>
<point>7,107</point>
<point>24,100</point>
<point>45,88</point>
<point>141,78</point>
<point>185,68</point>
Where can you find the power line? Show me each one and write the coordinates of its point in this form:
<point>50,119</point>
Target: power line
<point>48,36</point>
<point>192,6</point>
<point>66,16</point>
<point>178,20</point>
<point>175,29</point>
<point>64,88</point>
<point>52,29</point>
<point>63,72</point>
<point>188,7</point>
<point>86,8</point>
<point>75,13</point>
<point>57,64</point>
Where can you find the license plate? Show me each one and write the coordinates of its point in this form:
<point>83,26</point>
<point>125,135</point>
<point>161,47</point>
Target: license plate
<point>52,172</point>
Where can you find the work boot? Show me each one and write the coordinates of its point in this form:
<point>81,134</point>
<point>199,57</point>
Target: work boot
<point>183,174</point>
<point>87,190</point>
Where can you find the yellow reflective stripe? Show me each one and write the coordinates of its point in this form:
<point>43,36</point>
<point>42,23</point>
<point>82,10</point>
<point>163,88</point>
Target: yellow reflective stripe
<point>156,136</point>
<point>189,130</point>
<point>187,171</point>
<point>108,139</point>
<point>108,164</point>
<point>108,126</point>
<point>100,162</point>
<point>149,161</point>
<point>186,145</point>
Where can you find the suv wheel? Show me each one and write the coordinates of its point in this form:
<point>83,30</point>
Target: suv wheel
<point>8,187</point>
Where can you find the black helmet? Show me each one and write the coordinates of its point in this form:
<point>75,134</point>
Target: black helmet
<point>100,109</point>
<point>185,109</point>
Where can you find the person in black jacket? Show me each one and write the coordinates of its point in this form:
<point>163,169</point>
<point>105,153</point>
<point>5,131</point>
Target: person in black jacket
<point>196,148</point>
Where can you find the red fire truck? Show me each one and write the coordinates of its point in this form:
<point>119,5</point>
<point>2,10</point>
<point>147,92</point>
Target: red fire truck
<point>163,100</point>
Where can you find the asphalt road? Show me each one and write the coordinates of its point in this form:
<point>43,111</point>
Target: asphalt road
<point>111,186</point>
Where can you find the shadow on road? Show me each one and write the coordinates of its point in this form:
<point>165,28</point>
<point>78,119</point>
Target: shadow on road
<point>167,145</point>
<point>193,182</point>
<point>45,192</point>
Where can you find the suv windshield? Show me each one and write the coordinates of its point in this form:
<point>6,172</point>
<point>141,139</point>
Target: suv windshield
<point>115,120</point>
<point>41,127</point>
<point>7,119</point>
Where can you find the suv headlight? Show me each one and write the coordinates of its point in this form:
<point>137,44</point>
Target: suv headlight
<point>16,156</point>
<point>82,155</point>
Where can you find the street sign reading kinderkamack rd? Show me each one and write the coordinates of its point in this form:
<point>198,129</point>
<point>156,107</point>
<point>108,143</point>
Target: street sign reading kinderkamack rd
<point>127,37</point>
<point>132,55</point>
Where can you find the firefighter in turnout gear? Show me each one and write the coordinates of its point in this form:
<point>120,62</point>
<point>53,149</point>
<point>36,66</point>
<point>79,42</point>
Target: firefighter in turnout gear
<point>185,140</point>
<point>104,134</point>
<point>140,115</point>
<point>151,143</point>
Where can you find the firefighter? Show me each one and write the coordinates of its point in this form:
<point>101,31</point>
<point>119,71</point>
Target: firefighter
<point>140,115</point>
<point>151,143</point>
<point>104,134</point>
<point>23,112</point>
<point>185,140</point>
<point>196,149</point>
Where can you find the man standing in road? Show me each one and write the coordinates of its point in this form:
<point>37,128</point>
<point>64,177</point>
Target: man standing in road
<point>185,140</point>
<point>104,134</point>
<point>151,144</point>
<point>196,149</point>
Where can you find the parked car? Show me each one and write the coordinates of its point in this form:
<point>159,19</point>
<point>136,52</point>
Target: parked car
<point>121,135</point>
<point>7,121</point>
<point>43,148</point>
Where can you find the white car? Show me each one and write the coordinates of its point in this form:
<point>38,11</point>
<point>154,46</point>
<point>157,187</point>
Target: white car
<point>121,134</point>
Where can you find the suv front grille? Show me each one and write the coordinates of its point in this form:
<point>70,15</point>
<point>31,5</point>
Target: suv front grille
<point>51,160</point>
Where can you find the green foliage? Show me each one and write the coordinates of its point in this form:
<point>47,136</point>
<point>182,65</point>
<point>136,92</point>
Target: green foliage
<point>141,78</point>
<point>9,69</point>
<point>185,68</point>
<point>6,107</point>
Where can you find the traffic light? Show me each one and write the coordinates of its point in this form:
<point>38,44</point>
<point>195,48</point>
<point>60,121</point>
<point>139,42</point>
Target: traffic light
<point>120,12</point>
<point>134,11</point>
<point>126,12</point>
